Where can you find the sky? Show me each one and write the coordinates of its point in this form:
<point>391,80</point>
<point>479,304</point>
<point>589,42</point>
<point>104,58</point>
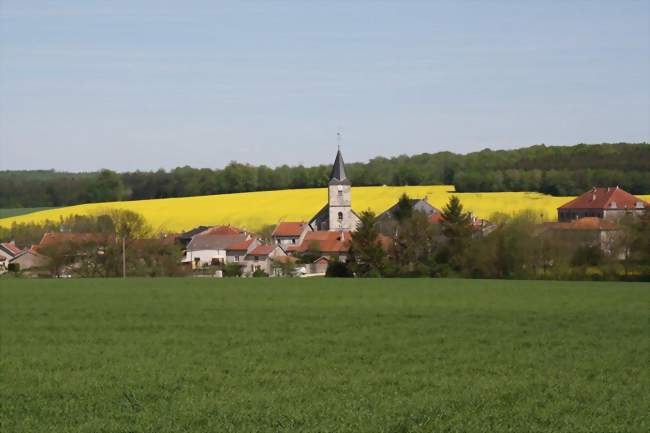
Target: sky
<point>130,85</point>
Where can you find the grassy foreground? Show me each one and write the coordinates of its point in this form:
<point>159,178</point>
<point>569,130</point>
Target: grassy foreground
<point>205,355</point>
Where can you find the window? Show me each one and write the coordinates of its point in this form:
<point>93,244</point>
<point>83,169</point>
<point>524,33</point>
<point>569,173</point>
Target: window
<point>340,193</point>
<point>293,241</point>
<point>236,258</point>
<point>340,216</point>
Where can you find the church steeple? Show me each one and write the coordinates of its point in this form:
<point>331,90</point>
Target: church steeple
<point>338,176</point>
<point>338,214</point>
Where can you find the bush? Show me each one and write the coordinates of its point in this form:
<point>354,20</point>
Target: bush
<point>232,270</point>
<point>587,255</point>
<point>338,270</point>
<point>260,273</point>
<point>14,267</point>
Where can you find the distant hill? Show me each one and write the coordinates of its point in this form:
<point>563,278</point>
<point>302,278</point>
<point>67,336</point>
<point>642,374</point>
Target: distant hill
<point>255,210</point>
<point>555,170</point>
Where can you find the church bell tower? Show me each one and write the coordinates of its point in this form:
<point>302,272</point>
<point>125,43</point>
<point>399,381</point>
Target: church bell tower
<point>339,197</point>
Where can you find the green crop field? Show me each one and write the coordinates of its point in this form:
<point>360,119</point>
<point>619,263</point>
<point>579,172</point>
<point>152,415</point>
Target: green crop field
<point>323,355</point>
<point>8,213</point>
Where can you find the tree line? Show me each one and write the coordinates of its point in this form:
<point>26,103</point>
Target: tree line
<point>556,170</point>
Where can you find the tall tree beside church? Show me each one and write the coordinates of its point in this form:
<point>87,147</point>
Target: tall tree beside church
<point>368,256</point>
<point>414,245</point>
<point>457,229</point>
<point>404,208</point>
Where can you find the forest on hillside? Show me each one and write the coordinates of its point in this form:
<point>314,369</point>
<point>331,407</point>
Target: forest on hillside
<point>556,170</point>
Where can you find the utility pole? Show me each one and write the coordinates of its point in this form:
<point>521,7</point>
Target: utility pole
<point>123,257</point>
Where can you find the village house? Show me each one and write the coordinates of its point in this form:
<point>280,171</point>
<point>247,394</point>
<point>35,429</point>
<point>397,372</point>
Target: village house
<point>261,259</point>
<point>9,250</point>
<point>237,251</point>
<point>387,221</point>
<point>608,203</point>
<point>289,233</point>
<point>590,231</point>
<point>30,259</point>
<point>335,245</point>
<point>211,249</point>
<point>185,238</point>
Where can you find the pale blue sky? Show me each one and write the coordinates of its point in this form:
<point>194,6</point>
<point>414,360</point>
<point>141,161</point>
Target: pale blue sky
<point>147,84</point>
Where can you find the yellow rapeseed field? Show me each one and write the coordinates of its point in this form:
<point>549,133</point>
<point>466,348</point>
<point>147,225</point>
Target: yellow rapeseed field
<point>253,210</point>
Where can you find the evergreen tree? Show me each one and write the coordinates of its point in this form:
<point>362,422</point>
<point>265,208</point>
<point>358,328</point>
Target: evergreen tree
<point>404,208</point>
<point>367,255</point>
<point>457,229</point>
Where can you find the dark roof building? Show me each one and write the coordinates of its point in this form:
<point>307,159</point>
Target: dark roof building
<point>387,221</point>
<point>214,242</point>
<point>186,237</point>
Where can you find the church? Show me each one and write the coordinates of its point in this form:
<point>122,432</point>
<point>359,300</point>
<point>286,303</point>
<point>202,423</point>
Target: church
<point>337,214</point>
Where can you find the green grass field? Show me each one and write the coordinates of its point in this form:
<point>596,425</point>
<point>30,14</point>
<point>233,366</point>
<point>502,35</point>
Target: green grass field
<point>321,355</point>
<point>8,213</point>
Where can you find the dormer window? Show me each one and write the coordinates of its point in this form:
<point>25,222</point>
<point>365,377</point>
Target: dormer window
<point>612,205</point>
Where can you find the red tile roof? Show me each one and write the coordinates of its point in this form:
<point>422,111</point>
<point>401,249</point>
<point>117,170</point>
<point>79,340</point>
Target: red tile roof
<point>262,250</point>
<point>435,218</point>
<point>285,259</point>
<point>53,238</point>
<point>325,242</point>
<point>289,228</point>
<point>11,247</point>
<point>605,198</point>
<point>222,230</point>
<point>240,246</point>
<point>587,223</point>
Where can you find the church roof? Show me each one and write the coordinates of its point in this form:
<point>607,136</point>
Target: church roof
<point>338,176</point>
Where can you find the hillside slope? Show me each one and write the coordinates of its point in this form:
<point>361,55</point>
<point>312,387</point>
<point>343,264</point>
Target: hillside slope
<point>254,210</point>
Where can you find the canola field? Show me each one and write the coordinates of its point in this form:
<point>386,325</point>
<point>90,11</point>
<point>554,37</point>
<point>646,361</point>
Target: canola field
<point>253,210</point>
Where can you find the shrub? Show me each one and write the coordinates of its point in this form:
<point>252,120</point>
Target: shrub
<point>260,273</point>
<point>14,267</point>
<point>338,270</point>
<point>232,270</point>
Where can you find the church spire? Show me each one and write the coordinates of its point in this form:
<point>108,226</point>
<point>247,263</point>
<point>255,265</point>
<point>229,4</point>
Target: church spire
<point>338,176</point>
